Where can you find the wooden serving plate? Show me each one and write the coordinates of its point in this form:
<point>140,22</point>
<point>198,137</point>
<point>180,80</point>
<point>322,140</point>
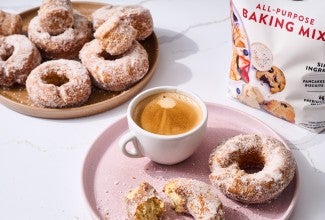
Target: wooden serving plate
<point>16,98</point>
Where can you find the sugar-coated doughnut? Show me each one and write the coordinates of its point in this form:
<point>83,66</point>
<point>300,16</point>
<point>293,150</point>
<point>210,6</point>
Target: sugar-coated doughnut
<point>18,56</point>
<point>194,197</point>
<point>115,73</point>
<point>55,16</point>
<point>65,45</point>
<point>137,16</point>
<point>116,36</point>
<point>99,16</point>
<point>142,203</point>
<point>252,168</point>
<point>59,83</point>
<point>10,23</point>
<point>140,18</point>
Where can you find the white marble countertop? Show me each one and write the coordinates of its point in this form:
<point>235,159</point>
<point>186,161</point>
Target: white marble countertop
<point>41,159</point>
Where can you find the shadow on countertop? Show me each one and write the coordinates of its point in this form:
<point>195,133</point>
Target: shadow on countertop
<point>173,46</point>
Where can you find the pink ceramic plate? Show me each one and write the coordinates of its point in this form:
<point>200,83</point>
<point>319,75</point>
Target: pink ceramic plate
<point>108,175</point>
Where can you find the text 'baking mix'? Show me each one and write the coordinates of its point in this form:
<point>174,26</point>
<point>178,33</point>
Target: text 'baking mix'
<point>278,61</point>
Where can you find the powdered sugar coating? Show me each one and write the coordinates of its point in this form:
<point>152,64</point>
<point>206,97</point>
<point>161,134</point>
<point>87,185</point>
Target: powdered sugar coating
<point>194,197</point>
<point>18,56</point>
<point>66,45</point>
<point>10,23</point>
<point>140,18</point>
<point>55,16</point>
<point>116,36</point>
<point>258,187</point>
<point>72,93</point>
<point>102,14</point>
<point>137,16</point>
<point>117,74</point>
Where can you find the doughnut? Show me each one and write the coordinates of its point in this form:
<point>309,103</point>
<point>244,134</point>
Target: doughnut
<point>142,203</point>
<point>65,45</point>
<point>10,23</point>
<point>251,168</point>
<point>190,196</point>
<point>116,36</point>
<point>59,83</point>
<point>140,18</point>
<point>99,16</point>
<point>114,73</point>
<point>18,56</point>
<point>55,16</point>
<point>137,16</point>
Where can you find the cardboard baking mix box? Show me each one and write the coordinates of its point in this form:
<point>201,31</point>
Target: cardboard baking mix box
<point>278,60</point>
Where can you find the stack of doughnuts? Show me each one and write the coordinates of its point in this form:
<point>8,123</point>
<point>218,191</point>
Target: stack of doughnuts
<point>58,31</point>
<point>64,54</point>
<point>115,58</point>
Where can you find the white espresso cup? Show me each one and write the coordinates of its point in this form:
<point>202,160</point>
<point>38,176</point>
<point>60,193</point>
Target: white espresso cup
<point>166,124</point>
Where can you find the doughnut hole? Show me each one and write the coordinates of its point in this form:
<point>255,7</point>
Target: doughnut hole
<point>55,79</point>
<point>6,52</point>
<point>108,56</point>
<point>251,162</point>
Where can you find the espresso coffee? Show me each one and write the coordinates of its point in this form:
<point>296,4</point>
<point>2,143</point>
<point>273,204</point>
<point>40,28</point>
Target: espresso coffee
<point>167,113</point>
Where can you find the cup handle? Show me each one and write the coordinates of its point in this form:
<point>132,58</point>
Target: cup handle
<point>133,152</point>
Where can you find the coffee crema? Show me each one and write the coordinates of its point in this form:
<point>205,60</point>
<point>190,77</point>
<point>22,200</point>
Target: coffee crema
<point>167,113</point>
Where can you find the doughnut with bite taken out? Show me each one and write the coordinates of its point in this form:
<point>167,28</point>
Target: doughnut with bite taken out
<point>194,197</point>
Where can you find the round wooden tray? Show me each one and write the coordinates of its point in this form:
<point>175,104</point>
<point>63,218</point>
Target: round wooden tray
<point>16,98</point>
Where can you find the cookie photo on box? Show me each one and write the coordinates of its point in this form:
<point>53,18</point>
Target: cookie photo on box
<point>274,77</point>
<point>280,109</point>
<point>262,57</point>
